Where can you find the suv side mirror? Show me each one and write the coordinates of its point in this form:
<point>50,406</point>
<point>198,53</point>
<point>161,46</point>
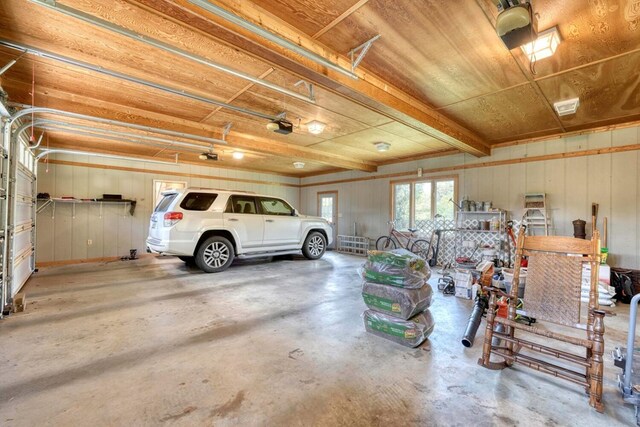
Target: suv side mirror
<point>294,212</point>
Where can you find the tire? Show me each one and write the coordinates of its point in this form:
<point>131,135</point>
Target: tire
<point>314,245</point>
<point>189,260</point>
<point>214,255</point>
<point>423,249</point>
<point>385,243</point>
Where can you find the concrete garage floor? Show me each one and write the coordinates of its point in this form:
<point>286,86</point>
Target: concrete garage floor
<point>154,342</point>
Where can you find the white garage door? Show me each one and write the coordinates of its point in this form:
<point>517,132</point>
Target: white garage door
<point>23,248</point>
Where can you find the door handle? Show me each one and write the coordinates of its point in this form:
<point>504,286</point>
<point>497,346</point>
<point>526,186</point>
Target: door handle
<point>232,219</point>
<point>268,220</point>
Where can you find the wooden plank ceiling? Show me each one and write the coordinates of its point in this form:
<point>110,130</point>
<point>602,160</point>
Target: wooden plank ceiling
<point>437,81</point>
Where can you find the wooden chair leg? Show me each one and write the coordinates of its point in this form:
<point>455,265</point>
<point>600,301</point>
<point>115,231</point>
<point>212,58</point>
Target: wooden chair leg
<point>485,360</point>
<point>597,366</point>
<point>588,356</point>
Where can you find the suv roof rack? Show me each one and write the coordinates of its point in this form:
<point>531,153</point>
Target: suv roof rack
<point>220,189</point>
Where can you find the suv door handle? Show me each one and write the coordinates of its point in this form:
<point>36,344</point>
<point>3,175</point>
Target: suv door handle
<point>268,220</point>
<point>232,219</point>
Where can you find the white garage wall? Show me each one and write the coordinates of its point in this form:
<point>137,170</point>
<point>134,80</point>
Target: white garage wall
<point>65,238</point>
<point>572,184</point>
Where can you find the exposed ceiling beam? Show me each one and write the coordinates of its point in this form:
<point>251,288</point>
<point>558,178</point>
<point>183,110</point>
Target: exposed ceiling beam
<point>367,90</point>
<point>344,15</point>
<point>89,106</point>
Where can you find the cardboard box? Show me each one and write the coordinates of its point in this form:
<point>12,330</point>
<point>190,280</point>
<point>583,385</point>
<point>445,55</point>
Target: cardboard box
<point>463,281</point>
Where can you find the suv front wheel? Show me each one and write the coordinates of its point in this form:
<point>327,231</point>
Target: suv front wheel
<point>314,245</point>
<point>214,254</point>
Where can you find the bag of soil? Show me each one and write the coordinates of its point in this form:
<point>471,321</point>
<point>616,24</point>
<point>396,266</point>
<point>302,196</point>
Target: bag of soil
<point>398,267</point>
<point>398,302</point>
<point>410,333</point>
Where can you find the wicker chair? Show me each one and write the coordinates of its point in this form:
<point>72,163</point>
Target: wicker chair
<point>552,295</point>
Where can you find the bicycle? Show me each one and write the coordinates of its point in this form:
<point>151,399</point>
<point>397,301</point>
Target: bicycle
<point>420,247</point>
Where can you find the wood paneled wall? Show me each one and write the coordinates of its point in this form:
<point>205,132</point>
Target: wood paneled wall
<point>572,184</point>
<point>64,237</point>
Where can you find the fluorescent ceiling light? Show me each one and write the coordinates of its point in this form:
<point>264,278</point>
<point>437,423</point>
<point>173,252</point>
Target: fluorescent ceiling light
<point>238,155</point>
<point>566,107</point>
<point>382,146</point>
<point>544,46</point>
<point>298,165</point>
<point>315,127</point>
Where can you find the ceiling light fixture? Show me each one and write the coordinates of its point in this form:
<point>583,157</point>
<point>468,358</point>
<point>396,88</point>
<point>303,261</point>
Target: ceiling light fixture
<point>238,155</point>
<point>315,127</point>
<point>298,165</point>
<point>544,46</point>
<point>382,146</point>
<point>566,107</point>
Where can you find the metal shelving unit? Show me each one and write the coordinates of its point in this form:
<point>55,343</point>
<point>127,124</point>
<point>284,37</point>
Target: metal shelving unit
<point>44,203</point>
<point>467,224</point>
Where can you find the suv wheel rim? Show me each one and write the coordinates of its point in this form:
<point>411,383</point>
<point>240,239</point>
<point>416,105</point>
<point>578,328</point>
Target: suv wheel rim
<point>216,254</point>
<point>316,246</point>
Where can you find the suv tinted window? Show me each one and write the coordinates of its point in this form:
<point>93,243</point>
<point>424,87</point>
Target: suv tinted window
<point>164,203</point>
<point>243,205</point>
<point>198,201</point>
<point>275,207</point>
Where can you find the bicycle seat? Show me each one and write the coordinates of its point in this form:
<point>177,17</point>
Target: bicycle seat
<point>412,230</point>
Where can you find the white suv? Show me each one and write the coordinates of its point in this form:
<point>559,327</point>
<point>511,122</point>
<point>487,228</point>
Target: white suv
<point>212,227</point>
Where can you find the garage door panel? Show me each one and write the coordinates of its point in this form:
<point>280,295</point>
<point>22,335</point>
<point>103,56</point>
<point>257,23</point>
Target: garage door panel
<point>23,241</point>
<point>24,184</point>
<point>21,273</point>
<point>23,213</point>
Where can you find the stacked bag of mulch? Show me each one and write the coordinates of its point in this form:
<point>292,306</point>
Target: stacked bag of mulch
<point>398,296</point>
<point>606,293</point>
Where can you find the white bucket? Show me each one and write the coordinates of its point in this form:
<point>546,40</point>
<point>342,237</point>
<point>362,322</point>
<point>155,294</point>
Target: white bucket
<point>508,279</point>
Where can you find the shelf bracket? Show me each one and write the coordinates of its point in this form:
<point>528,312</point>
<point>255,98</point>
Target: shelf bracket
<point>363,49</point>
<point>309,87</point>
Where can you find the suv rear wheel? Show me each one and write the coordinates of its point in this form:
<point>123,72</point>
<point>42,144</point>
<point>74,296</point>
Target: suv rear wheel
<point>214,255</point>
<point>314,245</point>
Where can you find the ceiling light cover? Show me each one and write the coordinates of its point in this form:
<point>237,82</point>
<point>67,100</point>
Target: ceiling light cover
<point>238,155</point>
<point>298,165</point>
<point>566,107</point>
<point>383,146</point>
<point>544,46</point>
<point>315,127</point>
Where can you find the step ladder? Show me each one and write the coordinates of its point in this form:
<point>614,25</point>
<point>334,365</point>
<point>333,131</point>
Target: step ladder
<point>535,213</point>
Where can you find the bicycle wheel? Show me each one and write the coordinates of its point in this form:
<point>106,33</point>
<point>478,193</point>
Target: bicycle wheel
<point>385,243</point>
<point>423,249</point>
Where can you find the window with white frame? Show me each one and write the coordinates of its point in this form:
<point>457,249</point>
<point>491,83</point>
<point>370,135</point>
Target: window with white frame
<point>421,200</point>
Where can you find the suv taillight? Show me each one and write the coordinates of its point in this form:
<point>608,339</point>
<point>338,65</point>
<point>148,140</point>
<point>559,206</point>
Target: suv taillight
<point>172,218</point>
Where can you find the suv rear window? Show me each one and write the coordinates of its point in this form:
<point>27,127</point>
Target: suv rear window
<point>164,203</point>
<point>198,201</point>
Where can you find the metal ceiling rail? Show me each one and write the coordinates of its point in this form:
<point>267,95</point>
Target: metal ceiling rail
<point>62,126</point>
<point>28,110</point>
<point>116,138</point>
<point>258,30</point>
<point>109,26</point>
<point>11,63</point>
<point>108,156</point>
<point>44,54</point>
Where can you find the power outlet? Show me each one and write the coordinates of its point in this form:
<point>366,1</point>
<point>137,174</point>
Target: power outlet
<point>89,242</point>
